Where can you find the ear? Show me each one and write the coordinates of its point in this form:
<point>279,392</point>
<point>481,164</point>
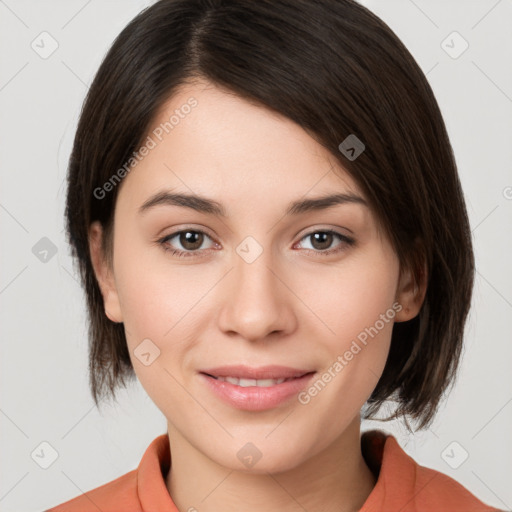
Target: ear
<point>104,274</point>
<point>411,293</point>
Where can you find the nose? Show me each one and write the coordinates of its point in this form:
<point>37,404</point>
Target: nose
<point>256,301</point>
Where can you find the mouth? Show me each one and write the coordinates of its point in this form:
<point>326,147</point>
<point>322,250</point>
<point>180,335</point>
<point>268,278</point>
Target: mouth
<point>263,376</point>
<point>256,389</point>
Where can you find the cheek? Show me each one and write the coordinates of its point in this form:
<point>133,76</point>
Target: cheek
<point>164,303</point>
<point>161,311</point>
<point>352,297</point>
<point>154,292</point>
<point>356,303</point>
<point>358,308</point>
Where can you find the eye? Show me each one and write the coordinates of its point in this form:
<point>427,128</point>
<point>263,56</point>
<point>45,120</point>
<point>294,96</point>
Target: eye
<point>190,240</point>
<point>322,239</point>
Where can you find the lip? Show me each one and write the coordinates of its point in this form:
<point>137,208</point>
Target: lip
<point>261,372</point>
<point>254,398</point>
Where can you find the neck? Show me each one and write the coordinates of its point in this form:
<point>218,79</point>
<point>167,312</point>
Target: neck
<point>335,480</point>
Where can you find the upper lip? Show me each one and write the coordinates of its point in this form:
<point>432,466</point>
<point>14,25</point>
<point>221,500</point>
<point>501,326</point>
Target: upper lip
<point>260,372</point>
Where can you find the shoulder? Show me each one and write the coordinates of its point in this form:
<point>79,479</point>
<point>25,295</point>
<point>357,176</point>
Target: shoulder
<point>434,490</point>
<point>141,489</point>
<point>403,484</point>
<point>119,494</point>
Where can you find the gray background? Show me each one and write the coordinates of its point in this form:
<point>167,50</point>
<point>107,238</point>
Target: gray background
<point>44,381</point>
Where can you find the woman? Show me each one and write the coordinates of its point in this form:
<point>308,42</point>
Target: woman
<point>265,208</point>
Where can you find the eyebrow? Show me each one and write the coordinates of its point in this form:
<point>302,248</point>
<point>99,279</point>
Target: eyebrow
<point>212,207</point>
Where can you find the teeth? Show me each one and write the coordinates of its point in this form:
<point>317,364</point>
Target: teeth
<point>262,383</point>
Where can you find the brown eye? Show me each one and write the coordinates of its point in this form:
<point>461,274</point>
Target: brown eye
<point>191,240</point>
<point>322,240</point>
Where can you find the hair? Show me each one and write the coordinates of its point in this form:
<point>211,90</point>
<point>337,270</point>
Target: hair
<point>335,69</point>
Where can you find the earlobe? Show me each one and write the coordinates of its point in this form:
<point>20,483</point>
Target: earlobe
<point>104,274</point>
<point>411,293</point>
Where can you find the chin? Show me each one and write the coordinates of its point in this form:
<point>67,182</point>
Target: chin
<point>259,461</point>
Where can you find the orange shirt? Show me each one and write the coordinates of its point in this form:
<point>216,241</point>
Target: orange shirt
<point>402,484</point>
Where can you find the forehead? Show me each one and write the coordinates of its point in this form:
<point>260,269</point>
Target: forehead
<point>209,141</point>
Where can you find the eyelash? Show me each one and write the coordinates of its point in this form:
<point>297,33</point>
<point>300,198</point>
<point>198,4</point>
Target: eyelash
<point>185,254</point>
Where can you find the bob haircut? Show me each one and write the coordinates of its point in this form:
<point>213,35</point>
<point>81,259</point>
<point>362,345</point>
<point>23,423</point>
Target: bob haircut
<point>335,69</point>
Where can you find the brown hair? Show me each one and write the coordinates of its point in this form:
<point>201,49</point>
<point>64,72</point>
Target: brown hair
<point>336,69</point>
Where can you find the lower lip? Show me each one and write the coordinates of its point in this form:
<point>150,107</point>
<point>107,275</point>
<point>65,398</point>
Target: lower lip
<point>254,398</point>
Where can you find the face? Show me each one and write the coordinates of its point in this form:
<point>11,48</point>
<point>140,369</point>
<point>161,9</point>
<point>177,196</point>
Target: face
<point>309,294</point>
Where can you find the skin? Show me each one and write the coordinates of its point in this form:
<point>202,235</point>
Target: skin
<point>292,306</point>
